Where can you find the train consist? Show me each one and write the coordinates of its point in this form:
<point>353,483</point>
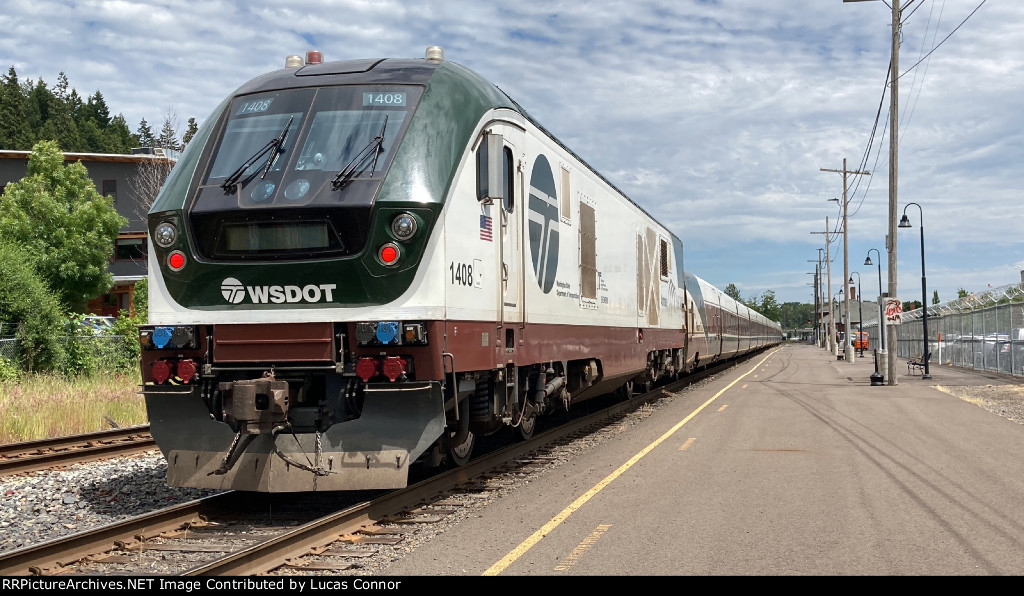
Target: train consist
<point>359,266</point>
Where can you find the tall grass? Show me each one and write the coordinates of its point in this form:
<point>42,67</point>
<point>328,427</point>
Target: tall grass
<point>44,406</point>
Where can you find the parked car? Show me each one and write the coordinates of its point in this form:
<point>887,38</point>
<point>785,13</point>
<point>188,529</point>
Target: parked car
<point>98,325</point>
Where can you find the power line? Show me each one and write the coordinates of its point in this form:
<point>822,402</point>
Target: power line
<point>944,39</point>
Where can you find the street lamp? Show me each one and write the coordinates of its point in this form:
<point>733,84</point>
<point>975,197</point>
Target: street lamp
<point>905,223</point>
<point>860,310</point>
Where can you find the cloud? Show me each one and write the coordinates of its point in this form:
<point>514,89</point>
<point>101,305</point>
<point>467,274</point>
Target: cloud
<point>715,117</point>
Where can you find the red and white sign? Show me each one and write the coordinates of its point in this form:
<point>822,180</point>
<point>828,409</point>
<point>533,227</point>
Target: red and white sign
<point>893,311</point>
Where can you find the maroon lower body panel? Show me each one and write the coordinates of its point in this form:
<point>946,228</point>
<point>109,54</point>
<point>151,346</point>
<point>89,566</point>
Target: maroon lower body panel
<point>274,342</point>
<point>482,346</point>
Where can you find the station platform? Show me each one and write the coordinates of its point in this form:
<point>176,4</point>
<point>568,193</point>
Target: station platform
<point>790,463</point>
<point>863,367</point>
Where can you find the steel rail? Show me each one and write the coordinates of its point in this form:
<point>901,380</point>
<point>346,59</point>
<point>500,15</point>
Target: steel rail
<point>28,456</point>
<point>265,556</point>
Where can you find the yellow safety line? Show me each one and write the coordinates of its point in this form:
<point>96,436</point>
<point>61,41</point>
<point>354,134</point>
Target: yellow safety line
<point>565,513</point>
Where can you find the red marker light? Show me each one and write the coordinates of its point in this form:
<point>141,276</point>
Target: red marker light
<point>176,260</point>
<point>314,57</point>
<point>161,371</point>
<point>393,367</point>
<point>388,254</point>
<point>186,370</point>
<point>367,368</point>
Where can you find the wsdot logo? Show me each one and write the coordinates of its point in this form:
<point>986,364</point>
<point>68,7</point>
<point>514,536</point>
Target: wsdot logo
<point>232,290</point>
<point>235,292</point>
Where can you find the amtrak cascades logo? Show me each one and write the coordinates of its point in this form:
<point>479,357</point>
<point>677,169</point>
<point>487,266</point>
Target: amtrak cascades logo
<point>232,290</point>
<point>543,224</point>
<point>235,292</point>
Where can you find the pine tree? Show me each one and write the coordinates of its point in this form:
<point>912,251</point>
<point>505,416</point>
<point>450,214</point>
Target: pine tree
<point>118,138</point>
<point>40,98</point>
<point>95,108</point>
<point>168,138</point>
<point>145,135</point>
<point>60,126</point>
<point>15,132</point>
<point>190,132</point>
<point>93,139</point>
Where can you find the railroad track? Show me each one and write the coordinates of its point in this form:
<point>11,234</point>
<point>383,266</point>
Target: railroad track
<point>238,533</point>
<point>18,458</point>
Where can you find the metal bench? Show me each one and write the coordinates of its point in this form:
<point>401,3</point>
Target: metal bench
<point>918,363</point>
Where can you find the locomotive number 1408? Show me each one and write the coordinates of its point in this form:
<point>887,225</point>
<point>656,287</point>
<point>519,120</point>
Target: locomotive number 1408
<point>465,274</point>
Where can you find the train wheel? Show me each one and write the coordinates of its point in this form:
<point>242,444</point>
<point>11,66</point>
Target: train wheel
<point>526,427</point>
<point>626,390</point>
<point>460,455</point>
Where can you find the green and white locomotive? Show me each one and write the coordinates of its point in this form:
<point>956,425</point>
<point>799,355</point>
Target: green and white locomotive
<point>360,265</point>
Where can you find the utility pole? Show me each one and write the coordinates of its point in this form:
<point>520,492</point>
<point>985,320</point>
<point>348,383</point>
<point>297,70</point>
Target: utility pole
<point>890,239</point>
<point>821,291</point>
<point>828,267</point>
<point>847,345</point>
<point>819,333</point>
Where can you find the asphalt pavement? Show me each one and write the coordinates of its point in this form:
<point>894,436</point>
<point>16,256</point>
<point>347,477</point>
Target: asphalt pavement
<point>791,463</point>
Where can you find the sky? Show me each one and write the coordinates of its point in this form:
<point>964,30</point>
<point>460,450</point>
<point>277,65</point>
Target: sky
<point>718,117</point>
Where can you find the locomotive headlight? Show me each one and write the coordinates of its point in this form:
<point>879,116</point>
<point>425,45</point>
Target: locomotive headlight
<point>403,226</point>
<point>165,234</point>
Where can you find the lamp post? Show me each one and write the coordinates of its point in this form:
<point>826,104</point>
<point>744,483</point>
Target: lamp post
<point>860,310</point>
<point>882,353</point>
<point>905,223</point>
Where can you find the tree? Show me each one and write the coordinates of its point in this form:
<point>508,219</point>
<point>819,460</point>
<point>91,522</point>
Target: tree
<point>935,297</point>
<point>15,132</point>
<point>145,135</point>
<point>56,213</point>
<point>60,126</point>
<point>911,305</point>
<point>962,293</point>
<point>40,98</point>
<point>168,138</point>
<point>96,109</point>
<point>93,139</point>
<point>190,131</point>
<point>732,292</point>
<point>769,307</point>
<point>794,315</point>
<point>28,309</point>
<point>148,180</point>
<point>118,137</point>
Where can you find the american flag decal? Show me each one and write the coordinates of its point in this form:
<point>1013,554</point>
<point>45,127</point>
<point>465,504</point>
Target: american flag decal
<point>485,228</point>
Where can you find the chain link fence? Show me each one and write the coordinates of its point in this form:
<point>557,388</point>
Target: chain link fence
<point>108,352</point>
<point>8,348</point>
<point>980,331</point>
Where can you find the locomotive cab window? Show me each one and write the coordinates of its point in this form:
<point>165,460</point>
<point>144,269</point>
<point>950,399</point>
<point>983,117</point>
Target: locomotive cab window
<point>492,169</point>
<point>295,172</point>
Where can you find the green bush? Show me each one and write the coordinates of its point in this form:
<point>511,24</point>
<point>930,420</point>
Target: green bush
<point>126,350</point>
<point>9,372</point>
<point>114,351</point>
<point>27,305</point>
<point>140,300</point>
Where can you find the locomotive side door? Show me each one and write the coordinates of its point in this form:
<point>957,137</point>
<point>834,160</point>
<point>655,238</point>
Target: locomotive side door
<point>511,265</point>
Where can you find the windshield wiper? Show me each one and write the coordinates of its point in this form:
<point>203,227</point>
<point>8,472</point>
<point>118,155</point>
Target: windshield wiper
<point>275,146</point>
<point>374,147</point>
